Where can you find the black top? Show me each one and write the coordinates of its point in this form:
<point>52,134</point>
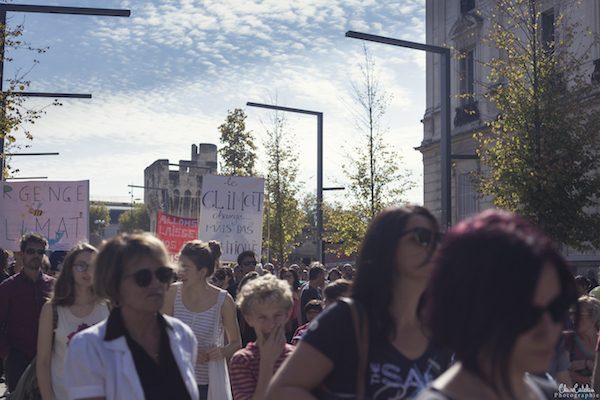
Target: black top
<point>546,389</point>
<point>389,373</point>
<point>160,380</point>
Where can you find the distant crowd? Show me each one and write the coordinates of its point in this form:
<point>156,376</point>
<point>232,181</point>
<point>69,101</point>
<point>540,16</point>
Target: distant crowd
<point>489,310</point>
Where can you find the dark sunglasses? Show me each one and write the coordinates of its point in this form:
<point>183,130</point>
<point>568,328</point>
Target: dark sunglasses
<point>143,277</point>
<point>424,237</point>
<point>558,310</point>
<point>249,263</point>
<point>31,252</point>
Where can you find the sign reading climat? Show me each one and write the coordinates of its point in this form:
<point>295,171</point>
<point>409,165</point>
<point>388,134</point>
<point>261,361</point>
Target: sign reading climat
<point>56,210</point>
<point>231,213</point>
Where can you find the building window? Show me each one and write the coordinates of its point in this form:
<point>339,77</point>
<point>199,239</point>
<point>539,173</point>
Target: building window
<point>175,202</point>
<point>466,6</point>
<point>187,196</point>
<point>467,196</point>
<point>466,77</point>
<point>548,29</point>
<point>468,110</point>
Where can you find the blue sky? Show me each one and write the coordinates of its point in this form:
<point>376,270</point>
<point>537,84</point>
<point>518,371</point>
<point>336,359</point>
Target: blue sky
<point>165,78</point>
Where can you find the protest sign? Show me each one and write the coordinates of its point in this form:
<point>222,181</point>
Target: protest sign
<point>58,210</point>
<point>231,213</point>
<point>175,231</point>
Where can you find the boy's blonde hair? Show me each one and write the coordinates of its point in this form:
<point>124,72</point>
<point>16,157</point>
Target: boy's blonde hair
<point>262,289</point>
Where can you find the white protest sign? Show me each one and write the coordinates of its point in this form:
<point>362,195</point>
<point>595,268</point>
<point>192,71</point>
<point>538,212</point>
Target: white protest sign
<point>59,211</point>
<point>231,212</point>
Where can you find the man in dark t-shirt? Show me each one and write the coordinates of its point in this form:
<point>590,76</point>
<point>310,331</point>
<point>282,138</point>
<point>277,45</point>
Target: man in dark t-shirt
<point>311,290</point>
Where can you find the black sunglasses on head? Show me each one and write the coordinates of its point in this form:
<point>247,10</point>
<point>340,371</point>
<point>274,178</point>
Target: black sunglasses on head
<point>31,251</point>
<point>558,310</point>
<point>424,237</point>
<point>143,277</point>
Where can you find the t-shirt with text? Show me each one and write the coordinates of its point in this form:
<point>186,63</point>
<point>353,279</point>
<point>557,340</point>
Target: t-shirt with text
<point>389,375</point>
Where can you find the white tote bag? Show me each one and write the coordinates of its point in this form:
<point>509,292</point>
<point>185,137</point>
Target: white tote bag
<point>219,387</point>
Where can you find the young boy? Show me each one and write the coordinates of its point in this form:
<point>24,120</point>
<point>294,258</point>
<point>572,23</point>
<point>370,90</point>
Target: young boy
<point>311,309</point>
<point>266,304</point>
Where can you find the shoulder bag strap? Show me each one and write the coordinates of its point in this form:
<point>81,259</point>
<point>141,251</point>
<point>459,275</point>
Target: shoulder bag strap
<point>361,332</point>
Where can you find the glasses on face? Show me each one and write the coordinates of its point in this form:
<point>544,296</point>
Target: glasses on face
<point>557,309</point>
<point>249,263</point>
<point>424,237</point>
<point>81,266</point>
<point>143,277</point>
<point>31,251</point>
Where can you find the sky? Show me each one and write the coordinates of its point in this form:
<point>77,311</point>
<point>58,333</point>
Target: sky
<point>165,78</point>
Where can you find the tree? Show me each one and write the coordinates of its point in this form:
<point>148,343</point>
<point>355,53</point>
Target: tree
<point>283,217</point>
<point>15,118</point>
<point>99,218</point>
<point>238,151</point>
<point>376,178</point>
<point>541,150</point>
<point>345,226</point>
<point>135,220</point>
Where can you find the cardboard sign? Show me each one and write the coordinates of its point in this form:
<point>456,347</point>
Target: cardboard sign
<point>175,231</point>
<point>231,210</point>
<point>59,211</point>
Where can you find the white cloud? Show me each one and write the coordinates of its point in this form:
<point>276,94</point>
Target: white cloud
<point>199,59</point>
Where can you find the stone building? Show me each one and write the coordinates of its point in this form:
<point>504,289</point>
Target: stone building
<point>177,191</point>
<point>461,25</point>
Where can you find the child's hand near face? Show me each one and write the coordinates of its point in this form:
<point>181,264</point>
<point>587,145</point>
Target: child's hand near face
<point>271,346</point>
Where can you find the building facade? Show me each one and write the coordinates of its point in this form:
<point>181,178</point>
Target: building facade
<point>177,191</point>
<point>462,25</point>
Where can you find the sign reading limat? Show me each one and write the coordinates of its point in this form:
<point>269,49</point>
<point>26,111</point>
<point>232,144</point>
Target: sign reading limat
<point>231,213</point>
<point>58,210</point>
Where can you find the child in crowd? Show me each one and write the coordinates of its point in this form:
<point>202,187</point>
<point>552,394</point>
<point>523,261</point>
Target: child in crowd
<point>311,309</point>
<point>265,303</point>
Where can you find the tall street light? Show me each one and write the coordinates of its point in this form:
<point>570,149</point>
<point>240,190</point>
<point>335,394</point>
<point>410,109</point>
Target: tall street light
<point>445,143</point>
<point>30,8</point>
<point>319,116</point>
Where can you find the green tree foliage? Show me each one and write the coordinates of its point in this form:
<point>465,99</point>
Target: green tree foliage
<point>15,118</point>
<point>342,228</point>
<point>283,215</point>
<point>374,170</point>
<point>345,227</point>
<point>542,149</point>
<point>135,220</point>
<point>238,151</point>
<point>99,218</point>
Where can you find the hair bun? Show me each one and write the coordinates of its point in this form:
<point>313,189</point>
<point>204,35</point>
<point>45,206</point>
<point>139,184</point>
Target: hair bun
<point>215,248</point>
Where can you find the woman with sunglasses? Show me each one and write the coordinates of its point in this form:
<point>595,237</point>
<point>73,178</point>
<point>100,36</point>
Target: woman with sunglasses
<point>137,353</point>
<point>210,312</point>
<point>393,268</point>
<point>498,296</point>
<point>75,306</point>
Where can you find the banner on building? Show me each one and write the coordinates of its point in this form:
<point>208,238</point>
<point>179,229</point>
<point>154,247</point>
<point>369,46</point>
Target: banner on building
<point>57,210</point>
<point>175,231</point>
<point>231,210</point>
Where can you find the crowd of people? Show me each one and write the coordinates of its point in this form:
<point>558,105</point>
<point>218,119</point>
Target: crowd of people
<point>490,310</point>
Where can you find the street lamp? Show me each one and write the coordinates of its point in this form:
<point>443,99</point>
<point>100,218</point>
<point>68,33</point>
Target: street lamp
<point>319,116</point>
<point>445,143</point>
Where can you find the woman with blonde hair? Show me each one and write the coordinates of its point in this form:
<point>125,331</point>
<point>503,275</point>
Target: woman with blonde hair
<point>210,312</point>
<point>72,307</point>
